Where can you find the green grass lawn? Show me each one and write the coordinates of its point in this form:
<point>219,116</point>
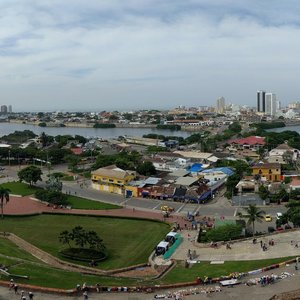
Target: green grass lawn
<point>8,248</point>
<point>82,203</point>
<point>182,274</point>
<point>20,188</point>
<point>128,241</point>
<point>44,275</point>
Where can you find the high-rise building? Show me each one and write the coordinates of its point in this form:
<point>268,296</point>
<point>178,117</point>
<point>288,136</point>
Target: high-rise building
<point>220,109</point>
<point>271,104</point>
<point>3,109</point>
<point>10,109</point>
<point>261,101</point>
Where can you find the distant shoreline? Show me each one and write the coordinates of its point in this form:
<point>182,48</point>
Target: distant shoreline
<point>90,125</point>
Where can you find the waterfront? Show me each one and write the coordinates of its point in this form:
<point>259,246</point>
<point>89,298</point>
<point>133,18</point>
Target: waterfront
<point>287,128</point>
<point>7,128</point>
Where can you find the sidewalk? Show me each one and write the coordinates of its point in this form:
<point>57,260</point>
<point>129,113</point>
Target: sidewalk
<point>244,250</point>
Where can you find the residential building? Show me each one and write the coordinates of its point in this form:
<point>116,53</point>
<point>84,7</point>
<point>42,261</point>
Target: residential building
<point>250,142</point>
<point>261,101</point>
<point>111,179</point>
<point>283,154</point>
<point>271,104</point>
<point>267,171</point>
<point>220,109</point>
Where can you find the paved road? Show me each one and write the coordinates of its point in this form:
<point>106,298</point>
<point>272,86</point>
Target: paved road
<point>220,206</point>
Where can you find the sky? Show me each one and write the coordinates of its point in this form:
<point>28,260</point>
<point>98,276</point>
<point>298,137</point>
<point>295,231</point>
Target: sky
<point>123,55</point>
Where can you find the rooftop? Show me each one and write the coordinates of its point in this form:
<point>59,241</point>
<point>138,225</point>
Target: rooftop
<point>250,140</point>
<point>111,171</point>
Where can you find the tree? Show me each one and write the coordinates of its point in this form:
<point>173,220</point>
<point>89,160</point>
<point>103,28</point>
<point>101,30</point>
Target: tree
<point>46,140</point>
<point>79,236</point>
<point>287,180</point>
<point>253,214</point>
<point>54,183</point>
<point>293,213</point>
<point>30,175</point>
<point>65,237</point>
<point>94,241</point>
<point>231,183</point>
<point>146,168</point>
<point>4,195</point>
<point>263,192</point>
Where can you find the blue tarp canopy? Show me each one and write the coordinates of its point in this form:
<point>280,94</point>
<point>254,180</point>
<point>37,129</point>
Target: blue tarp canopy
<point>196,168</point>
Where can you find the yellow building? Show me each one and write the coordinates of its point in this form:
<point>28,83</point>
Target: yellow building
<point>271,171</point>
<point>111,179</point>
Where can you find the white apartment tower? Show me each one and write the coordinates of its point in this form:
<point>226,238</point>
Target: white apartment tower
<point>220,109</point>
<point>271,104</point>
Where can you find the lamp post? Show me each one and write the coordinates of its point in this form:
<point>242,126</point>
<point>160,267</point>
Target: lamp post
<point>9,157</point>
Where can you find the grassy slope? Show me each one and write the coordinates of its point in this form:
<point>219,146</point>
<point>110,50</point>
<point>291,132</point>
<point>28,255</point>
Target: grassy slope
<point>128,242</point>
<point>181,274</point>
<point>63,279</point>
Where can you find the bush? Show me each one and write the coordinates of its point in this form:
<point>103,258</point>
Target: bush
<point>53,197</point>
<point>83,254</point>
<point>223,233</point>
<point>104,125</point>
<point>169,127</point>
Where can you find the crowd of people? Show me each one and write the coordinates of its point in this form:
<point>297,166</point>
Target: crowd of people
<point>13,286</point>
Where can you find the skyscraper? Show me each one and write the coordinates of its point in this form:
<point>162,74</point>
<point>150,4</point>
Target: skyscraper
<point>261,101</point>
<point>3,109</point>
<point>220,109</point>
<point>271,104</point>
<point>9,108</point>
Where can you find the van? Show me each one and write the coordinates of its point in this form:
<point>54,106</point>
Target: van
<point>162,248</point>
<point>171,237</point>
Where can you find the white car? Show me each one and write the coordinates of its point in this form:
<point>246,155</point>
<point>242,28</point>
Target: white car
<point>278,215</point>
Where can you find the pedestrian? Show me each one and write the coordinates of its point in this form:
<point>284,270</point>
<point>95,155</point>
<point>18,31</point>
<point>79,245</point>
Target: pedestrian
<point>30,295</point>
<point>16,288</point>
<point>85,296</point>
<point>22,294</point>
<point>261,244</point>
<point>11,284</point>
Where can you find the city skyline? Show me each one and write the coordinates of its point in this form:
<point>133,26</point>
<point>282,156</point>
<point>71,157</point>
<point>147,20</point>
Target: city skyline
<point>127,55</point>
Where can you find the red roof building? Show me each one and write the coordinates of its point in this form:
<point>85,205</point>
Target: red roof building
<point>76,151</point>
<point>250,142</point>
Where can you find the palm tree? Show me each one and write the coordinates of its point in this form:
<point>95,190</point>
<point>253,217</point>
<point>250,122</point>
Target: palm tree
<point>4,194</point>
<point>253,214</point>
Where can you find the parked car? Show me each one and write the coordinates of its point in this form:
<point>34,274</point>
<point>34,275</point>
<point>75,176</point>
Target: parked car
<point>271,229</point>
<point>2,168</point>
<point>167,208</point>
<point>278,215</point>
<point>268,218</point>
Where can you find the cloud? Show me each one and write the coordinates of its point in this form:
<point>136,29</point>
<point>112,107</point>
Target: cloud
<point>126,54</point>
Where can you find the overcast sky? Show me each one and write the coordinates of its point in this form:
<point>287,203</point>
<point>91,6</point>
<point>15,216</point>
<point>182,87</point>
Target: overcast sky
<point>130,54</point>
